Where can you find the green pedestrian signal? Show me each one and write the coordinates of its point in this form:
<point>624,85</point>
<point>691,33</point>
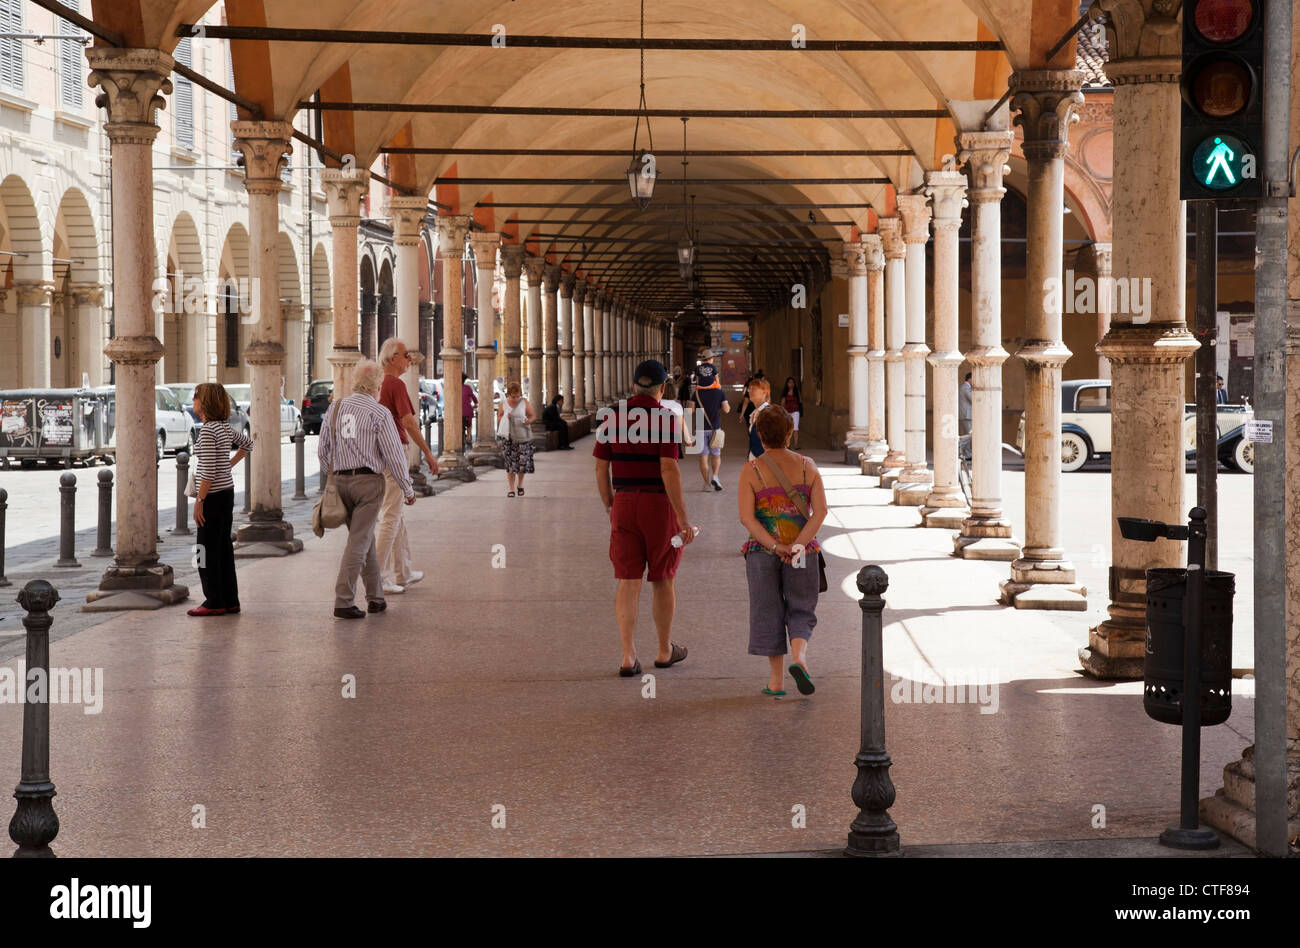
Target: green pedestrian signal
<point>1222,162</point>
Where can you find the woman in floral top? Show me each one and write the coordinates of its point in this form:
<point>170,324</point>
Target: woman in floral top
<point>780,556</point>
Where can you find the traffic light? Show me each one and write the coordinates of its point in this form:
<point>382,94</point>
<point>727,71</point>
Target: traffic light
<point>1223,116</point>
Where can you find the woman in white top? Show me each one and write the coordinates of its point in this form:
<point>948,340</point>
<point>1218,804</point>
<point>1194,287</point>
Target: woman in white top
<point>214,502</point>
<point>514,416</point>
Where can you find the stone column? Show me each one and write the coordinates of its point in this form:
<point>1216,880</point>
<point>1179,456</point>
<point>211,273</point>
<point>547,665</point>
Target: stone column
<point>589,349</point>
<point>343,191</point>
<point>567,281</point>
<point>1096,260</point>
<point>408,215</point>
<point>605,356</point>
<point>986,533</point>
<point>873,453</point>
<point>913,484</point>
<point>581,294</point>
<point>512,262</point>
<point>891,236</point>
<point>264,147</point>
<point>485,449</point>
<point>130,81</point>
<point>551,330</point>
<point>855,439</point>
<point>534,269</point>
<point>33,316</point>
<point>1146,350</point>
<point>451,248</point>
<point>1042,577</point>
<point>946,505</point>
<point>597,361</point>
<point>88,309</point>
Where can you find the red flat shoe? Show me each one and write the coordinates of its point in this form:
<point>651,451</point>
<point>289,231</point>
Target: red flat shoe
<point>205,611</point>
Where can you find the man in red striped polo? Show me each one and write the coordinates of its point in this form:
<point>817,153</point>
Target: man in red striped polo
<point>637,447</point>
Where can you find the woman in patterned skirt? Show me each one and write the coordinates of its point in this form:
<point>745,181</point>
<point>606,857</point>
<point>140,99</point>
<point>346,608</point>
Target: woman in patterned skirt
<point>514,416</point>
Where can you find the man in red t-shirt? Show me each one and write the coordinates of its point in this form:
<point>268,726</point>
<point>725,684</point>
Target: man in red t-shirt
<point>391,543</point>
<point>639,444</point>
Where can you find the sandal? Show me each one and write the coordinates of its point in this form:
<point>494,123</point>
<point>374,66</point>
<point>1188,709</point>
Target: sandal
<point>511,494</point>
<point>802,680</point>
<point>630,672</point>
<point>775,694</point>
<point>521,492</point>
<point>679,654</point>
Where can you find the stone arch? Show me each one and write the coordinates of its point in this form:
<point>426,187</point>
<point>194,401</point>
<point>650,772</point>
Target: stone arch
<point>233,306</point>
<point>25,342</point>
<point>387,302</point>
<point>293,327</point>
<point>185,318</point>
<point>322,314</point>
<point>76,316</point>
<point>366,310</point>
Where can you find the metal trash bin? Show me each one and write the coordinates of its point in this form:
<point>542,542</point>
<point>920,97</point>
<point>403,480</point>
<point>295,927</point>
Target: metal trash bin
<point>1162,691</point>
<point>53,425</point>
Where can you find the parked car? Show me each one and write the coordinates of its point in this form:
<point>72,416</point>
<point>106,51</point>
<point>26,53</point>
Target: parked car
<point>185,394</point>
<point>1086,431</point>
<point>170,419</point>
<point>315,403</point>
<point>430,400</point>
<point>290,417</point>
<point>1235,450</point>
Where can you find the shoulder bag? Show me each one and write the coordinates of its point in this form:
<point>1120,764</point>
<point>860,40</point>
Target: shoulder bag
<point>518,428</point>
<point>329,511</point>
<point>801,505</point>
<point>718,439</point>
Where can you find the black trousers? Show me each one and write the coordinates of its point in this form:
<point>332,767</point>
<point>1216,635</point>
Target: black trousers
<point>564,435</point>
<point>217,552</point>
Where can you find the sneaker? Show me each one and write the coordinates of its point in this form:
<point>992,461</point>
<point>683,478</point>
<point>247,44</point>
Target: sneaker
<point>717,484</point>
<point>415,577</point>
<point>393,589</point>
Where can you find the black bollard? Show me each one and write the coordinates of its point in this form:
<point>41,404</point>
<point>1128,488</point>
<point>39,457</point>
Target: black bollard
<point>67,520</point>
<point>248,484</point>
<point>35,824</point>
<point>4,506</point>
<point>104,542</point>
<point>182,499</point>
<point>299,465</point>
<point>873,833</point>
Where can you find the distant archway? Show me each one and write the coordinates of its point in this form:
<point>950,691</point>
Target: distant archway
<point>234,306</point>
<point>366,311</point>
<point>26,357</point>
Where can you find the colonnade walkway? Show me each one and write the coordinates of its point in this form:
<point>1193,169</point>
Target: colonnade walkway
<point>486,687</point>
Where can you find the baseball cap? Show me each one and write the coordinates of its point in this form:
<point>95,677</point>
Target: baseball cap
<point>650,372</point>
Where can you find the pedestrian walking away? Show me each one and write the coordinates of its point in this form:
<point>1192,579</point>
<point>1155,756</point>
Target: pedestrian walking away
<point>468,402</point>
<point>391,540</point>
<point>514,418</point>
<point>358,444</point>
<point>214,499</point>
<point>782,503</point>
<point>710,403</point>
<point>641,488</point>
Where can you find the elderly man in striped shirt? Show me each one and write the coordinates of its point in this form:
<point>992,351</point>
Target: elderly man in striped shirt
<point>356,450</point>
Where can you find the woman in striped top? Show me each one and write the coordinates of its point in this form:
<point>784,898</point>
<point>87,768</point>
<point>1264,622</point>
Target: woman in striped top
<point>214,505</point>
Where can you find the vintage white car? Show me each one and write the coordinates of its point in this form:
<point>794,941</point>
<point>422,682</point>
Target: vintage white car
<point>1085,427</point>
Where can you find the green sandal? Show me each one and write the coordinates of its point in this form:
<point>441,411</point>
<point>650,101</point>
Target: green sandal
<point>776,694</point>
<point>802,680</point>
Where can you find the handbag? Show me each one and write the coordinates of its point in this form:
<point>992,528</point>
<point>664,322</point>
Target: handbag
<point>503,426</point>
<point>718,438</point>
<point>329,511</point>
<point>191,489</point>
<point>801,505</point>
<point>518,432</point>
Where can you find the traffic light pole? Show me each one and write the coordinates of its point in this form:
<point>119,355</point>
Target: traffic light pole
<point>1270,457</point>
<point>1207,436</point>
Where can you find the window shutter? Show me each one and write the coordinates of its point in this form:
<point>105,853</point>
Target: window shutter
<point>72,64</point>
<point>11,50</point>
<point>183,98</point>
<point>234,109</point>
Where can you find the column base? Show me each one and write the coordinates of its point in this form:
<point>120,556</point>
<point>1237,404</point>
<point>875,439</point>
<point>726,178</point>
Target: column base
<point>127,587</point>
<point>986,538</point>
<point>1232,808</point>
<point>910,493</point>
<point>943,518</point>
<point>261,538</point>
<point>455,467</point>
<point>854,451</point>
<point>1064,597</point>
<point>1110,668</point>
<point>421,483</point>
<point>871,466</point>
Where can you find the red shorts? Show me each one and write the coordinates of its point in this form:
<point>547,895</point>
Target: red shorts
<point>641,532</point>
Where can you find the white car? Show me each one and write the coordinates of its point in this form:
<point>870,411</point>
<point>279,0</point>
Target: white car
<point>290,416</point>
<point>173,424</point>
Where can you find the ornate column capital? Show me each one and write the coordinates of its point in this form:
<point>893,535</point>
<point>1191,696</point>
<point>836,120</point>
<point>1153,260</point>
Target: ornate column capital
<point>551,277</point>
<point>947,193</point>
<point>855,256</point>
<point>263,148</point>
<point>534,269</point>
<point>1047,102</point>
<point>890,230</point>
<point>1141,30</point>
<point>34,293</point>
<point>839,268</point>
<point>985,155</point>
<point>132,84</point>
<point>88,294</point>
<point>343,191</point>
<point>485,246</point>
<point>452,229</point>
<point>512,260</point>
<point>408,213</point>
<point>579,292</point>
<point>873,251</point>
<point>566,283</point>
<point>291,311</point>
<point>914,209</point>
